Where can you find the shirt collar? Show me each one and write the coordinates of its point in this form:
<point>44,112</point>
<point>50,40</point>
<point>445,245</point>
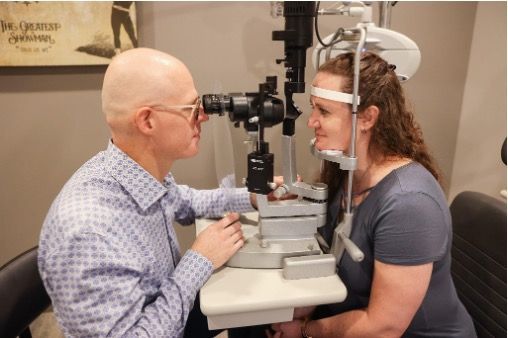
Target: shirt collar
<point>140,184</point>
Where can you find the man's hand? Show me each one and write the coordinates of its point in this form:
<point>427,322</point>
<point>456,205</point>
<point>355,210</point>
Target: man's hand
<point>278,180</point>
<point>220,240</point>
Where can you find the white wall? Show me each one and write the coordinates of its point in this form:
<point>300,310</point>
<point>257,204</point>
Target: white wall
<point>477,164</point>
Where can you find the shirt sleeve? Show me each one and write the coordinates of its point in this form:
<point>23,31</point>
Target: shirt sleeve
<point>99,290</point>
<point>412,229</point>
<point>191,203</point>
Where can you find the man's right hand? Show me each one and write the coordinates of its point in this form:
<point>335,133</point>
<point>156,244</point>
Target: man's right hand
<point>220,240</point>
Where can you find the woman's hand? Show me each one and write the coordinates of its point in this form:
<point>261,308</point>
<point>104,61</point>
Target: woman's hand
<point>269,334</point>
<point>286,330</point>
<point>303,312</point>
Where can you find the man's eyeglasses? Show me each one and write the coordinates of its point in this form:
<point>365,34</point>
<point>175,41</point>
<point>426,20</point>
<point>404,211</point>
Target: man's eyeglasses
<point>194,116</point>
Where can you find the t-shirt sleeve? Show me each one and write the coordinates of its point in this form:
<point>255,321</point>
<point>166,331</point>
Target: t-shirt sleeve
<point>411,229</point>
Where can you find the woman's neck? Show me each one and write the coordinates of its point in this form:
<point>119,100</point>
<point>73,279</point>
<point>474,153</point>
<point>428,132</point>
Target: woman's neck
<point>371,171</point>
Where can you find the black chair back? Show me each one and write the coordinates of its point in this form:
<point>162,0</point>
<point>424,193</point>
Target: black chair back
<point>479,260</point>
<point>22,295</point>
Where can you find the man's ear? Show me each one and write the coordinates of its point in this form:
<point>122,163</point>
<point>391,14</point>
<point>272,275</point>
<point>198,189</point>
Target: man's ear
<point>143,119</point>
<point>368,118</point>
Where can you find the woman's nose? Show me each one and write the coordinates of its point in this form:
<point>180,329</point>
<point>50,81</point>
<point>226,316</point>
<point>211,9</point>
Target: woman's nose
<point>312,122</point>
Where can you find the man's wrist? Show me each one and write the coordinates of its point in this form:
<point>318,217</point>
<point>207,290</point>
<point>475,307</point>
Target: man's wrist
<point>253,201</point>
<point>303,328</point>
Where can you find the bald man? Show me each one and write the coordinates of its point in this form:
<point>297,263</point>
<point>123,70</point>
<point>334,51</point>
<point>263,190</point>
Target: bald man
<point>108,254</point>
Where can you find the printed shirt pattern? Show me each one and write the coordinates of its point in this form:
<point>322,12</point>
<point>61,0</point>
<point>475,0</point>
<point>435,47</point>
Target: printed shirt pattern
<point>109,256</point>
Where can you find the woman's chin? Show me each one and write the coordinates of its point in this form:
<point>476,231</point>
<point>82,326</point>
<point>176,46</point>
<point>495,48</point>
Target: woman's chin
<point>321,146</point>
<point>324,146</point>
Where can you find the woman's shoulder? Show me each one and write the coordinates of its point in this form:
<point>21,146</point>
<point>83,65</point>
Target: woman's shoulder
<point>414,176</point>
<point>409,180</point>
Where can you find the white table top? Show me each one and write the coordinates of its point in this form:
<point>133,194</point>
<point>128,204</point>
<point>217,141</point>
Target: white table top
<point>257,293</point>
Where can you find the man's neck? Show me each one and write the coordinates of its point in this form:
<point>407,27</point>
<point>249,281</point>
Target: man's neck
<point>146,157</point>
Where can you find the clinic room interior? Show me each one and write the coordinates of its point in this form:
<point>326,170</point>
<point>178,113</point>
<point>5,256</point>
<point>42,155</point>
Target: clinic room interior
<point>52,120</point>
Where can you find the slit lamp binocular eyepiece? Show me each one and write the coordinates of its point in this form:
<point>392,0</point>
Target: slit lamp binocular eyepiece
<point>253,109</point>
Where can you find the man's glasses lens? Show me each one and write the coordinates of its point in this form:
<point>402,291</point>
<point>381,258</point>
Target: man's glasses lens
<point>195,111</point>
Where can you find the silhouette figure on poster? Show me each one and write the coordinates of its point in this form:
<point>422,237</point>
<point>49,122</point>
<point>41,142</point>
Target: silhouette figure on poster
<point>120,15</point>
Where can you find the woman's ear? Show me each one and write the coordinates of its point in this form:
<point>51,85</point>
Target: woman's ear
<point>368,118</point>
<point>144,120</point>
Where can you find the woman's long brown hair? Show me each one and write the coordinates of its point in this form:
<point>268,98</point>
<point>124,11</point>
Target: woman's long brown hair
<point>396,133</point>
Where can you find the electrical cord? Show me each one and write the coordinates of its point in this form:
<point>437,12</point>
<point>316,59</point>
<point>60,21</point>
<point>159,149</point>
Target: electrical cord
<point>336,37</point>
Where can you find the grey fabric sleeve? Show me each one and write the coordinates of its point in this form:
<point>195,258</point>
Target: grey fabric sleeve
<point>411,229</point>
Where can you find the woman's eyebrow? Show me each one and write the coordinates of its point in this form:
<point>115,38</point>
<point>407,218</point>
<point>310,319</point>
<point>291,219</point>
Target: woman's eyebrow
<point>316,104</point>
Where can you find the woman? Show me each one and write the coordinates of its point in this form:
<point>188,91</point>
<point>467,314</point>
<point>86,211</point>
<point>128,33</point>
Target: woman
<point>401,221</point>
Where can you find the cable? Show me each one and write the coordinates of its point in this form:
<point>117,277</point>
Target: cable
<point>336,37</point>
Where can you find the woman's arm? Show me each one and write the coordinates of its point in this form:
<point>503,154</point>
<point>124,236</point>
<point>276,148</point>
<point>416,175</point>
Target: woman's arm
<point>396,294</point>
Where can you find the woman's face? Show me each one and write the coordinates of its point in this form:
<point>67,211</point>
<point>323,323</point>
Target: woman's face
<point>331,120</point>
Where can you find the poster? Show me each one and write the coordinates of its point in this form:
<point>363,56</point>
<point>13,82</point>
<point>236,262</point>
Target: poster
<point>34,33</point>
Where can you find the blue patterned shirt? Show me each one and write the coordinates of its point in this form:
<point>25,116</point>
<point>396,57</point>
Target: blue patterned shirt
<point>109,256</point>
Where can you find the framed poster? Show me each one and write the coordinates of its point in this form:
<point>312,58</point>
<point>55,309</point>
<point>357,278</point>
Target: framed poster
<point>34,33</point>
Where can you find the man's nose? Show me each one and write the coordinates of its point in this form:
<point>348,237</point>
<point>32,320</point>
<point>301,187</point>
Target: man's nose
<point>203,117</point>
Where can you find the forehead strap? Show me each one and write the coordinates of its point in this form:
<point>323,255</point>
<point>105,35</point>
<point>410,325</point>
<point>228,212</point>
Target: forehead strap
<point>332,95</point>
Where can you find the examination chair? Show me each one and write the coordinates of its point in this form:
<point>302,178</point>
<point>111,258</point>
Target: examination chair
<point>479,260</point>
<point>22,295</point>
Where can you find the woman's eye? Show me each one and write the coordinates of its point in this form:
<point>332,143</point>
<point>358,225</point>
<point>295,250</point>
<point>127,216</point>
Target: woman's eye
<point>320,109</point>
<point>323,111</point>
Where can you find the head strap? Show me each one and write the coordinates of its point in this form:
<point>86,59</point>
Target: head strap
<point>333,95</point>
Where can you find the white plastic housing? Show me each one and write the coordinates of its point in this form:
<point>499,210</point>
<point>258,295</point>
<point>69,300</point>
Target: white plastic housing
<point>394,47</point>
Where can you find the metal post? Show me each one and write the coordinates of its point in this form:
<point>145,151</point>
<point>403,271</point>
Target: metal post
<point>385,14</point>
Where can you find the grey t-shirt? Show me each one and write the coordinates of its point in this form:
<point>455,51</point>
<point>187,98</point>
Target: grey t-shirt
<point>404,220</point>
